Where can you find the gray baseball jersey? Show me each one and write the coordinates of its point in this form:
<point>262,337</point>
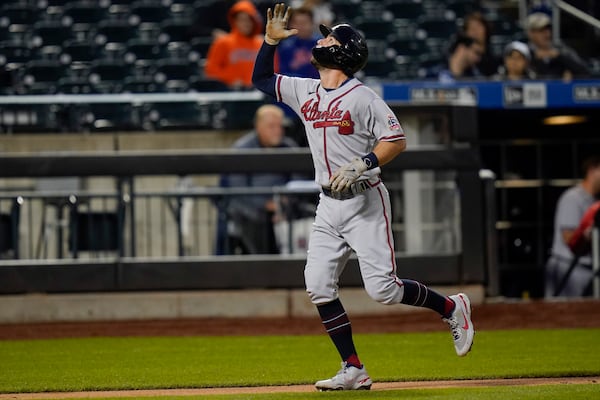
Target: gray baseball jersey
<point>342,124</point>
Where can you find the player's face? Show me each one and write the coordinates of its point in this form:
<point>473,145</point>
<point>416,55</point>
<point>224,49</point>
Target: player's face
<point>324,42</point>
<point>328,41</point>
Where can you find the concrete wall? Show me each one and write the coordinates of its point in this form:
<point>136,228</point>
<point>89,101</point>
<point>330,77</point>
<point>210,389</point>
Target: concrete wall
<point>169,305</point>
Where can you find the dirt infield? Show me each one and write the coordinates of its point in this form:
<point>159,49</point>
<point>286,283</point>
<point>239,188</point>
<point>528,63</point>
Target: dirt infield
<point>302,388</point>
<point>501,315</point>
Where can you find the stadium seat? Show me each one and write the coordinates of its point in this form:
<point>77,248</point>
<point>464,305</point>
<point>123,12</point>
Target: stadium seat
<point>75,85</point>
<point>115,31</point>
<point>209,85</point>
<point>173,115</point>
<point>149,11</point>
<point>19,14</point>
<point>142,84</point>
<point>118,12</point>
<point>408,47</point>
<point>108,75</point>
<point>176,74</point>
<point>113,51</point>
<point>380,69</point>
<point>378,50</point>
<point>177,50</point>
<point>76,51</point>
<point>201,45</point>
<point>41,76</point>
<point>141,51</point>
<point>102,117</point>
<point>14,55</point>
<point>345,11</point>
<point>175,31</point>
<point>405,9</point>
<point>376,28</point>
<point>83,13</point>
<point>436,28</point>
<point>51,33</point>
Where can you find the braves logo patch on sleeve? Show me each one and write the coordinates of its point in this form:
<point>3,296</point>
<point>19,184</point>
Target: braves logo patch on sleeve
<point>393,123</point>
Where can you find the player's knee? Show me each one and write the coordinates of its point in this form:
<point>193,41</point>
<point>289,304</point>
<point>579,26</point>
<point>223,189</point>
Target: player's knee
<point>384,293</point>
<point>317,290</point>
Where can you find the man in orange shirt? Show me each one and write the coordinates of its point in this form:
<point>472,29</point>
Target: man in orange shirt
<point>230,58</point>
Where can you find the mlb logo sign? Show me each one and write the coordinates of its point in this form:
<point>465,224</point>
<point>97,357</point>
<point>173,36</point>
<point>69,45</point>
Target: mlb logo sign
<point>393,123</point>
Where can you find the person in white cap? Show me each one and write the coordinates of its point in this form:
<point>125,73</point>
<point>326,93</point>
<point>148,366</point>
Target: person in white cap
<point>517,58</point>
<point>550,60</point>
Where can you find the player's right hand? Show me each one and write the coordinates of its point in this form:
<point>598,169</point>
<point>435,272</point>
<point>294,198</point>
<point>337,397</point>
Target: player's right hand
<point>277,21</point>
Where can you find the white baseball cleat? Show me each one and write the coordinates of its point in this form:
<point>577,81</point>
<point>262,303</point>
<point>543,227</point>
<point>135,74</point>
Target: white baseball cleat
<point>461,325</point>
<point>347,378</point>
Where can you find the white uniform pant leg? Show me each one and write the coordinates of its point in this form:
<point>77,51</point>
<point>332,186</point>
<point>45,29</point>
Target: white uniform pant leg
<point>327,255</point>
<point>369,233</point>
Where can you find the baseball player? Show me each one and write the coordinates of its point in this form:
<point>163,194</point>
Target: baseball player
<point>351,132</point>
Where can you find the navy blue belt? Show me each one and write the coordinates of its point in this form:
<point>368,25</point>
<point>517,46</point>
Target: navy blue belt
<point>353,190</point>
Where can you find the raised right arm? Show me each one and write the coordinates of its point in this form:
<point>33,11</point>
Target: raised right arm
<point>263,76</point>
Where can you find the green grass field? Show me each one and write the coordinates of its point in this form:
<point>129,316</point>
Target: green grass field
<point>195,362</point>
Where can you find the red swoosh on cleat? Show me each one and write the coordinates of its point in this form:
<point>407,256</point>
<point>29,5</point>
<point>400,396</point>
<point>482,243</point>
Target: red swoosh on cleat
<point>466,325</point>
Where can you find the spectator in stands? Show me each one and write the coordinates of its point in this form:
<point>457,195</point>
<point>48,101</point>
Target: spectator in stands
<point>570,209</point>
<point>250,217</point>
<point>230,58</point>
<point>295,54</point>
<point>321,9</point>
<point>516,63</point>
<point>476,26</point>
<point>464,54</point>
<point>550,60</point>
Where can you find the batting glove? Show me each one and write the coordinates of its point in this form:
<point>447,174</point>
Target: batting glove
<point>277,21</point>
<point>344,177</point>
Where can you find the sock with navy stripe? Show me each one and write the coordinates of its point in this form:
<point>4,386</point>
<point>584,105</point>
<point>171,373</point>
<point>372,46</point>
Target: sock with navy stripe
<point>417,294</point>
<point>336,323</point>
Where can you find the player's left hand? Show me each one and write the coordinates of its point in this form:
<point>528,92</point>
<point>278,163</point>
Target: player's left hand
<point>347,175</point>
